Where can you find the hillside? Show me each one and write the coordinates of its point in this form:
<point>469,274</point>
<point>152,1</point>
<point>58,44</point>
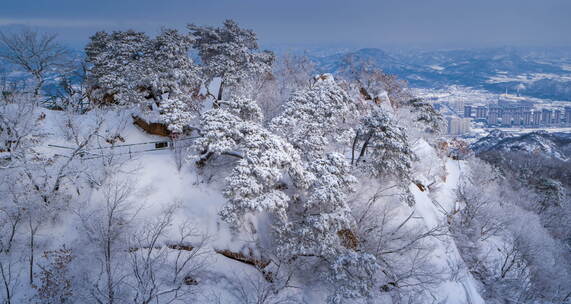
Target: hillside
<point>555,145</point>
<point>194,167</point>
<point>155,184</point>
<point>495,70</point>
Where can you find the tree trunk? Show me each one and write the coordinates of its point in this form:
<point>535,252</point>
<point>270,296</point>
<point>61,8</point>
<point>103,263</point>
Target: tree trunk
<point>220,91</point>
<point>6,286</point>
<point>32,233</point>
<point>108,270</point>
<point>364,148</point>
<point>39,85</point>
<point>353,148</point>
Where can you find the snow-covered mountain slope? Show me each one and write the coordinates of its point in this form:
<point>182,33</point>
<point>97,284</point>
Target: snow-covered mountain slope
<point>434,205</point>
<point>548,144</point>
<point>156,183</point>
<point>487,142</point>
<point>152,183</point>
<point>158,177</point>
<point>495,69</point>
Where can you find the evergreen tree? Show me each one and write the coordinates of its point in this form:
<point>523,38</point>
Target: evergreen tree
<point>129,68</point>
<point>175,79</point>
<point>316,117</point>
<point>424,115</point>
<point>118,66</point>
<point>264,160</point>
<point>381,149</point>
<point>229,52</point>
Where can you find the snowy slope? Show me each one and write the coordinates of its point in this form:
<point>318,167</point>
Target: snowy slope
<point>158,183</point>
<point>539,142</point>
<point>434,206</point>
<point>159,178</point>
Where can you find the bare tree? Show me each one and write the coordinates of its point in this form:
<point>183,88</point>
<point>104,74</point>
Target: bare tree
<point>291,73</point>
<point>401,245</point>
<point>43,180</point>
<point>39,194</point>
<point>55,279</point>
<point>9,280</point>
<point>179,148</point>
<point>72,90</point>
<point>10,220</point>
<point>257,290</point>
<point>165,269</point>
<point>106,229</point>
<point>139,262</point>
<point>17,135</point>
<point>36,53</point>
<point>521,268</point>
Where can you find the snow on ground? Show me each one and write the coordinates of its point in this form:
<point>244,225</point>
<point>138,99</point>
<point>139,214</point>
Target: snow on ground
<point>433,208</point>
<point>162,183</point>
<point>461,288</point>
<point>158,183</point>
<point>527,78</point>
<point>437,67</point>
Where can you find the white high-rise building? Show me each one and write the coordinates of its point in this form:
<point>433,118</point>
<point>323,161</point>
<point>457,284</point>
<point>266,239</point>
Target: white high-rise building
<point>458,126</point>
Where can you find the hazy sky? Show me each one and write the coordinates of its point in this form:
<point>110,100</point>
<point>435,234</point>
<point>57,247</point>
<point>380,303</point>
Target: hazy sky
<point>381,23</point>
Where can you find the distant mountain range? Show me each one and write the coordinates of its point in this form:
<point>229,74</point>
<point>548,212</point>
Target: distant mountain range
<point>542,74</point>
<point>536,74</point>
<point>555,145</point>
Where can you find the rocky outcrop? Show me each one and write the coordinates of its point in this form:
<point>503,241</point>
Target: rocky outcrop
<point>153,128</point>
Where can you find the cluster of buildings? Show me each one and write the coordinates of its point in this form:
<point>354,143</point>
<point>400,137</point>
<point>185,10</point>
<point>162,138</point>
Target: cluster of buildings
<point>462,116</point>
<point>503,114</point>
<point>507,114</point>
<point>458,125</point>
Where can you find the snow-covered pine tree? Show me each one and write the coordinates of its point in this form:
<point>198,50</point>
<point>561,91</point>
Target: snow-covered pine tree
<point>381,149</point>
<point>118,66</point>
<point>316,117</point>
<point>320,225</point>
<point>129,68</point>
<point>352,275</point>
<point>424,115</point>
<point>175,80</point>
<point>307,200</point>
<point>230,53</point>
<point>321,212</point>
<point>265,160</point>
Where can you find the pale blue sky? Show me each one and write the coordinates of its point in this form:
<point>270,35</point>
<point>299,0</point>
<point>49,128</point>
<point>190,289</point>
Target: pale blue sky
<point>381,23</point>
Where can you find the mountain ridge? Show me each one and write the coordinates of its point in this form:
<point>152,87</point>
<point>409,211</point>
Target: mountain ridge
<point>496,70</point>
